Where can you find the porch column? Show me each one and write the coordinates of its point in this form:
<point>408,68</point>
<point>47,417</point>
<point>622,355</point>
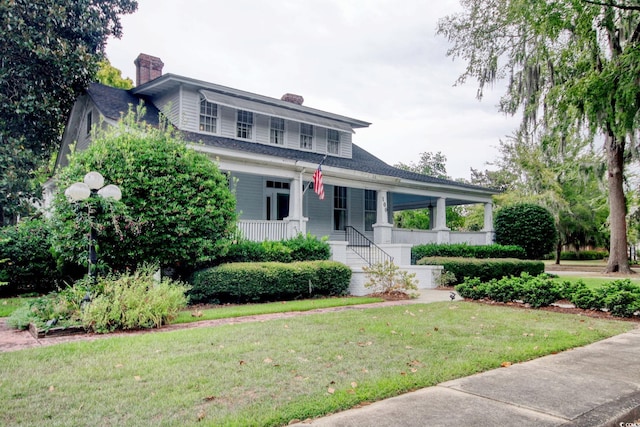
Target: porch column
<point>296,223</point>
<point>441,221</point>
<point>488,223</point>
<point>382,229</point>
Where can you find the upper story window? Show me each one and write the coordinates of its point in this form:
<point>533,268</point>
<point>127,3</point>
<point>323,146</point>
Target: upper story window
<point>208,116</point>
<point>306,136</point>
<point>245,124</point>
<point>333,141</point>
<point>277,131</point>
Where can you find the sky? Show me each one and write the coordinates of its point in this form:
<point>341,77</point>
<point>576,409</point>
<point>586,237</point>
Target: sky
<point>374,60</point>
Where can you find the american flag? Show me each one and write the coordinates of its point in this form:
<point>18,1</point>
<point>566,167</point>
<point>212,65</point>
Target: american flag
<point>317,183</point>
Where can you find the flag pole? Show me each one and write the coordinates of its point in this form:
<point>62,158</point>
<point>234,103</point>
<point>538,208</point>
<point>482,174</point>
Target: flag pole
<point>309,184</point>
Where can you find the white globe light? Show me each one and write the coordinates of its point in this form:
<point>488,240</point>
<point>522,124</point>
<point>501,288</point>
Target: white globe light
<point>111,192</point>
<point>94,180</point>
<point>77,191</point>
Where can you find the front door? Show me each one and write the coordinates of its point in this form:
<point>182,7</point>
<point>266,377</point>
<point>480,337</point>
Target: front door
<point>277,200</point>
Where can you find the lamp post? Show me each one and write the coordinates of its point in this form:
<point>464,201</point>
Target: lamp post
<point>92,186</point>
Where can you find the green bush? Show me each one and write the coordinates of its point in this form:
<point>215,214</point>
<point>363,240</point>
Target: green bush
<point>28,264</point>
<point>463,250</point>
<point>269,281</point>
<point>531,227</point>
<point>177,209</point>
<point>387,278</point>
<point>134,301</point>
<point>299,248</point>
<point>583,255</point>
<point>484,269</point>
<point>537,291</point>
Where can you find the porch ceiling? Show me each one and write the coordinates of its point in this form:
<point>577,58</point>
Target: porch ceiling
<point>403,201</point>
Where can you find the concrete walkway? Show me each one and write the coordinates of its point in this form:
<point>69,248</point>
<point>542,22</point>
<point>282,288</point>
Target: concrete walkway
<point>595,385</point>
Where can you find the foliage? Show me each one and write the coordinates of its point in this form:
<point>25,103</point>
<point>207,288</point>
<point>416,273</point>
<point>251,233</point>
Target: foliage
<point>50,52</point>
<point>583,255</point>
<point>430,164</point>
<point>299,248</point>
<point>465,251</point>
<point>387,278</point>
<point>529,226</point>
<point>484,269</point>
<point>134,301</point>
<point>29,265</point>
<point>111,76</point>
<point>621,297</point>
<point>269,281</point>
<point>572,68</point>
<point>176,209</point>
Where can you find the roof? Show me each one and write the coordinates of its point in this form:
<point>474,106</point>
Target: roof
<point>112,102</point>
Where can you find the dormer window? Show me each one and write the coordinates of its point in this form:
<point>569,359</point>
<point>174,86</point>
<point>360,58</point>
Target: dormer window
<point>277,131</point>
<point>208,116</point>
<point>244,124</point>
<point>306,136</point>
<point>333,141</point>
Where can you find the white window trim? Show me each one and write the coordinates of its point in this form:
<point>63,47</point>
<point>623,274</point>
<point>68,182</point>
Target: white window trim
<point>201,115</point>
<point>283,130</point>
<point>250,126</point>
<point>308,138</point>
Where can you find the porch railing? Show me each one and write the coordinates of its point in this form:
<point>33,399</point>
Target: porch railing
<point>260,230</point>
<point>365,248</point>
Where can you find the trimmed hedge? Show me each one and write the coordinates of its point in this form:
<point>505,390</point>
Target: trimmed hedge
<point>584,255</point>
<point>269,281</point>
<point>463,250</point>
<point>300,248</point>
<point>527,225</point>
<point>484,269</point>
<point>621,297</point>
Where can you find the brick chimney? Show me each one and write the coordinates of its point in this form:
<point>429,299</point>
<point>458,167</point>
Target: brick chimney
<point>293,98</point>
<point>147,68</point>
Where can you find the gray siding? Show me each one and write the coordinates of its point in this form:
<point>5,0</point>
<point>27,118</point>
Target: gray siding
<point>227,121</point>
<point>250,196</point>
<point>169,104</point>
<point>319,212</point>
<point>190,111</point>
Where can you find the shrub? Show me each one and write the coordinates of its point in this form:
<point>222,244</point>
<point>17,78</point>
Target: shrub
<point>176,209</point>
<point>472,288</point>
<point>485,269</point>
<point>529,226</point>
<point>537,291</point>
<point>299,248</point>
<point>387,278</point>
<point>269,281</point>
<point>465,251</point>
<point>28,264</point>
<point>583,255</point>
<point>621,297</point>
<point>134,301</point>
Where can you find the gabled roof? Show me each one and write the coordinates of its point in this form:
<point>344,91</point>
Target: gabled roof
<point>113,102</point>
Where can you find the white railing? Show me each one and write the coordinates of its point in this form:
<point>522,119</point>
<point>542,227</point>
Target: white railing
<point>260,230</point>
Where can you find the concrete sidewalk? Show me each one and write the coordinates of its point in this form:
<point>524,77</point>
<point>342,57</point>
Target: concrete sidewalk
<point>595,385</point>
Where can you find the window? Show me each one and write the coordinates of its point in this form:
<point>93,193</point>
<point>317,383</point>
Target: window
<point>370,203</point>
<point>333,141</point>
<point>245,124</point>
<point>277,131</point>
<point>306,136</point>
<point>208,116</point>
<point>339,207</point>
<point>89,122</point>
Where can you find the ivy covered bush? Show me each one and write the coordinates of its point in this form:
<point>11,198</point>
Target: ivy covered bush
<point>269,281</point>
<point>466,251</point>
<point>529,226</point>
<point>484,269</point>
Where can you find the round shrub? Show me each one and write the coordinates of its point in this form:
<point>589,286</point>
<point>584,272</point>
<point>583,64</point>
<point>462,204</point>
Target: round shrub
<point>531,227</point>
<point>176,210</point>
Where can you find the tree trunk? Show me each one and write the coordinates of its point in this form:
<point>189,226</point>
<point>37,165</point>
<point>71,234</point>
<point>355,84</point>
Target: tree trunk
<point>558,251</point>
<point>618,261</point>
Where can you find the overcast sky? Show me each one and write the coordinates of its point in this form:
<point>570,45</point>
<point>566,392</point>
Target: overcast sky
<point>375,60</point>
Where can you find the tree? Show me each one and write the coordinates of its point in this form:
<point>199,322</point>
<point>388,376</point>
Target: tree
<point>526,225</point>
<point>429,164</point>
<point>176,210</point>
<point>50,52</point>
<point>572,67</point>
<point>111,76</point>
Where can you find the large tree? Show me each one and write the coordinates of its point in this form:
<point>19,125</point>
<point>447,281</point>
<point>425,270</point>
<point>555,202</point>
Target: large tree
<point>50,51</point>
<point>572,68</point>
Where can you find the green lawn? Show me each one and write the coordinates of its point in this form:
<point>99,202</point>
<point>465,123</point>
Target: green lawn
<point>268,373</point>
<point>9,305</point>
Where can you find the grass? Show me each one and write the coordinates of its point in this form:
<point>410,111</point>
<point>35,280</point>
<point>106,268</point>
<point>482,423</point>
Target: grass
<point>268,373</point>
<point>225,312</point>
<point>9,305</point>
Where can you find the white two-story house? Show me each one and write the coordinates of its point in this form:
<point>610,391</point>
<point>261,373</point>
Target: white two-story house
<point>272,147</point>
